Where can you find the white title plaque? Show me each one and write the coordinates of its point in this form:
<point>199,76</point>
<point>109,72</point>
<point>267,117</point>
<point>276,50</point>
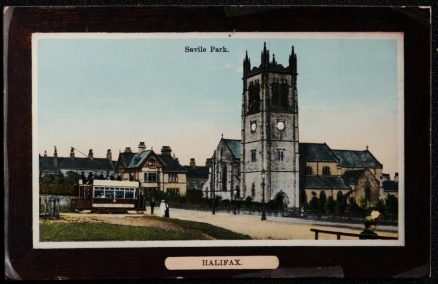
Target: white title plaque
<point>222,262</point>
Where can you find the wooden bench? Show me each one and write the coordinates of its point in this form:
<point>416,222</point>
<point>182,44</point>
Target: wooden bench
<point>339,234</point>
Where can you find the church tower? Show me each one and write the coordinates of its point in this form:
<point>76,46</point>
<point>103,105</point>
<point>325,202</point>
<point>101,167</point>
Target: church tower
<point>270,131</point>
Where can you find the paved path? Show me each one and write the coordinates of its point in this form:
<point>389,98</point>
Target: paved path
<point>278,228</point>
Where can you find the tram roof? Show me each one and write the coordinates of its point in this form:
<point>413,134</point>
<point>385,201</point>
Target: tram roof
<point>115,183</point>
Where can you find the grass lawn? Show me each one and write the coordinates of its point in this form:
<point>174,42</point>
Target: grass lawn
<point>213,231</point>
<point>91,231</point>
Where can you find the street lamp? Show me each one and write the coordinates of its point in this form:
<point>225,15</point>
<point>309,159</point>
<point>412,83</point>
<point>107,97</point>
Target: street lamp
<point>263,196</point>
<point>213,188</point>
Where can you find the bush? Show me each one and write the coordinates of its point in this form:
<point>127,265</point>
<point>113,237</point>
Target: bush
<point>391,206</point>
<point>322,201</point>
<point>340,203</point>
<point>314,204</point>
<point>330,205</point>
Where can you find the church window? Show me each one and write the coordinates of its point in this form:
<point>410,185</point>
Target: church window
<point>253,190</point>
<point>280,154</point>
<point>254,97</point>
<point>284,90</point>
<point>326,170</point>
<point>309,170</point>
<point>253,155</point>
<point>224,178</point>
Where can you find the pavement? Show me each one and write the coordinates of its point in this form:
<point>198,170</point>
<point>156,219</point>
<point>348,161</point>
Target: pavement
<point>275,228</point>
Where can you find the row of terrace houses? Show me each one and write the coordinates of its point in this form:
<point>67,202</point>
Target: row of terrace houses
<point>155,171</point>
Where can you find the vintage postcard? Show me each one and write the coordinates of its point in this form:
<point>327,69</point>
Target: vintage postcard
<point>217,139</point>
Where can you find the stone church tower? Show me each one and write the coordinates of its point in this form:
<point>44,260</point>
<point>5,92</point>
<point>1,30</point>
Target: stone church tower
<point>270,130</point>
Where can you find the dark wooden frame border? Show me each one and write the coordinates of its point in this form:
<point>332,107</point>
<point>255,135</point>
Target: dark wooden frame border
<point>149,262</point>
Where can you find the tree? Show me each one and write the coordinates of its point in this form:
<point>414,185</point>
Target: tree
<point>322,201</point>
<point>340,203</point>
<point>314,203</point>
<point>330,205</point>
<point>391,205</point>
<point>380,206</point>
<point>352,207</point>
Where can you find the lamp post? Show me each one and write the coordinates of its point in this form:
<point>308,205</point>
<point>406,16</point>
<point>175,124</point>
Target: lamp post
<point>263,196</point>
<point>213,188</point>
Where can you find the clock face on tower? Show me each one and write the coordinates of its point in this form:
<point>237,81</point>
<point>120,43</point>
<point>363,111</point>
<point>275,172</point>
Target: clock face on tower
<point>253,126</point>
<point>280,125</point>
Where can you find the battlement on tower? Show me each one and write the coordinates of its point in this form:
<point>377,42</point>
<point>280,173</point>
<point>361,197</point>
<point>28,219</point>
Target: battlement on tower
<point>270,65</point>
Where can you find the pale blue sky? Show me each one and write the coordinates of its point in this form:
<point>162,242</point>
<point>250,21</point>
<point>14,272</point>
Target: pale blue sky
<point>112,93</point>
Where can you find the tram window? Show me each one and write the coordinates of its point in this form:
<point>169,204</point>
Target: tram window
<point>98,192</point>
<point>129,193</point>
<point>109,192</point>
<point>119,193</point>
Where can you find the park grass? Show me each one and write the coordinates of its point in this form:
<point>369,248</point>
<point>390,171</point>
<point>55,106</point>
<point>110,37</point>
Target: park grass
<point>215,232</point>
<point>92,231</point>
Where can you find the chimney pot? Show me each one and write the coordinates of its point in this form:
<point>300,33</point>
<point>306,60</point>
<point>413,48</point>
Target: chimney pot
<point>192,163</point>
<point>141,147</point>
<point>166,151</point>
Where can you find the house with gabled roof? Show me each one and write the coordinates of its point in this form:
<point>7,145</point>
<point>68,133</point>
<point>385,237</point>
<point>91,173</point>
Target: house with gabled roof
<point>155,172</point>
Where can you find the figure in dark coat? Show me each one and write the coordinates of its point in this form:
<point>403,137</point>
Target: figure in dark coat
<point>370,225</point>
<point>152,206</point>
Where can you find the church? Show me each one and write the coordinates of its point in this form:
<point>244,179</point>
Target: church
<point>269,163</point>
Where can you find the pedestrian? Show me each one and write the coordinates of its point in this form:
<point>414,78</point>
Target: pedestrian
<point>166,212</point>
<point>162,208</point>
<point>141,203</point>
<point>152,206</point>
<point>370,226</point>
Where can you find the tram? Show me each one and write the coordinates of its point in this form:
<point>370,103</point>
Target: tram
<point>108,196</point>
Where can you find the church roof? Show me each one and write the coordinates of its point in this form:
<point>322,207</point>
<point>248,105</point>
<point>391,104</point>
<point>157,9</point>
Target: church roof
<point>357,159</point>
<point>234,146</point>
<point>68,163</point>
<point>323,182</point>
<point>197,172</point>
<point>313,152</point>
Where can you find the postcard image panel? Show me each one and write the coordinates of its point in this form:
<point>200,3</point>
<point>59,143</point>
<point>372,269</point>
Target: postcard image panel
<point>217,139</point>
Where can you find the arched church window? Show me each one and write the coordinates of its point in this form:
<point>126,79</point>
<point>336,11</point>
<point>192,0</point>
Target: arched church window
<point>254,97</point>
<point>224,178</point>
<point>326,170</point>
<point>309,170</point>
<point>284,90</point>
<point>276,96</point>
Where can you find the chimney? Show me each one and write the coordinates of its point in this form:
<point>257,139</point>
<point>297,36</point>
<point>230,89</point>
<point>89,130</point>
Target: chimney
<point>109,156</point>
<point>166,151</point>
<point>141,147</point>
<point>192,163</point>
<point>55,158</point>
<point>45,153</point>
<point>128,150</point>
<point>396,177</point>
<point>72,153</point>
<point>90,154</point>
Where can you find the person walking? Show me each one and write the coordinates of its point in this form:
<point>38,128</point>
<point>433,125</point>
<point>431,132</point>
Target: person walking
<point>162,208</point>
<point>166,212</point>
<point>152,203</point>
